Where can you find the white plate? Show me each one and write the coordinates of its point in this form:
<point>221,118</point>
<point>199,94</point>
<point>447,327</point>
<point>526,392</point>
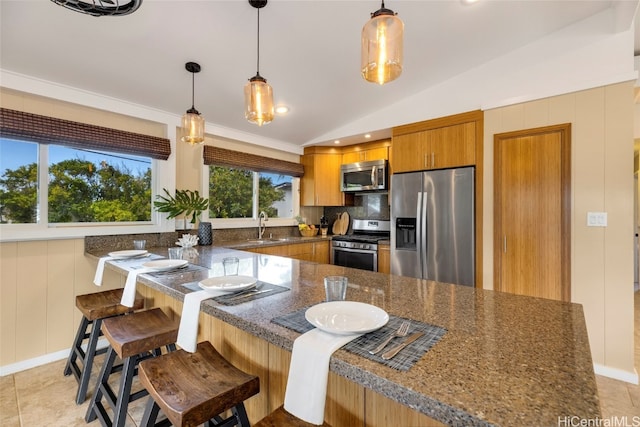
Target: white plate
<point>228,283</point>
<point>165,264</point>
<point>346,317</point>
<point>128,254</point>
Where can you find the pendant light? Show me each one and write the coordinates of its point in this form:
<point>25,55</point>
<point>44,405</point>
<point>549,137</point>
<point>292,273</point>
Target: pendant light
<point>382,47</point>
<point>258,95</point>
<point>192,121</point>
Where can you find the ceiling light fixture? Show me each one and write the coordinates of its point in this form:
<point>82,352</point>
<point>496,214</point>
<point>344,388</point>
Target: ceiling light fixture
<point>192,121</point>
<point>382,40</point>
<point>258,95</point>
<point>282,109</point>
<point>101,7</point>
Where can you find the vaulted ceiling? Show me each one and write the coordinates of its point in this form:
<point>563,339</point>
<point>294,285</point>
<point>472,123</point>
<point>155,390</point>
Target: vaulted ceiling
<point>309,53</point>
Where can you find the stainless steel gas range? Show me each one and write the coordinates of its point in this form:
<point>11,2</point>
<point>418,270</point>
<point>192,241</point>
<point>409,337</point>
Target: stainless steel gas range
<point>360,249</point>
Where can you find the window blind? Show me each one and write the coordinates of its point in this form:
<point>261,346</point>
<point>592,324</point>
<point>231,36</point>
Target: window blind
<point>215,156</point>
<point>49,130</point>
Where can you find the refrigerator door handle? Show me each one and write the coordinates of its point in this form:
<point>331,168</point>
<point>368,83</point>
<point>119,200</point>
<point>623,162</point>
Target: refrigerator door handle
<point>423,237</point>
<point>419,230</point>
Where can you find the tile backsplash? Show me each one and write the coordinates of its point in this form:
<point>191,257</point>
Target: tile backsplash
<point>366,206</point>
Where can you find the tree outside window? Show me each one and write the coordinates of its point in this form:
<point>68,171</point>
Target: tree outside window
<point>231,193</point>
<point>83,185</point>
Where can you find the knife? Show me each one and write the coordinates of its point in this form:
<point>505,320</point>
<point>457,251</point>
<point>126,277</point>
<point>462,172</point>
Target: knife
<point>248,294</point>
<point>395,350</point>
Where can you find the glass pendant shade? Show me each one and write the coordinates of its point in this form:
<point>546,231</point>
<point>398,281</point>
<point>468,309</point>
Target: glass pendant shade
<point>192,121</point>
<point>382,45</point>
<point>192,127</point>
<point>258,100</point>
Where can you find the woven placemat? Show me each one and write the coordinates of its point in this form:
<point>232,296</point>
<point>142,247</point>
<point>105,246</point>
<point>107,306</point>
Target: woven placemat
<point>136,261</point>
<point>230,299</point>
<point>189,268</point>
<point>269,289</point>
<point>403,361</point>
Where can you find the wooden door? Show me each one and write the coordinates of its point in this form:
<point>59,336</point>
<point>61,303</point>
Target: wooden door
<point>532,212</point>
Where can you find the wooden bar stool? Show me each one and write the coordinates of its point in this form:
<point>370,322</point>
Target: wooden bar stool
<point>282,418</point>
<point>94,307</point>
<point>134,338</point>
<point>194,388</point>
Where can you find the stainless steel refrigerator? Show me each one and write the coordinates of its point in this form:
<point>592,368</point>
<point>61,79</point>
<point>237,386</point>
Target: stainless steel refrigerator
<point>432,220</point>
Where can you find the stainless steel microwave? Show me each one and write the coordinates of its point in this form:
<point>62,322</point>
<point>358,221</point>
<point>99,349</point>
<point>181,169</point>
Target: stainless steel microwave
<point>364,176</point>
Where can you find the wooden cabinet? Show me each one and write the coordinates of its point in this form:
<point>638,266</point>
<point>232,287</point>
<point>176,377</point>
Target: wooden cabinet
<point>384,258</point>
<point>320,184</point>
<point>446,142</point>
<point>317,251</point>
<point>409,152</point>
<point>321,252</point>
<point>378,150</point>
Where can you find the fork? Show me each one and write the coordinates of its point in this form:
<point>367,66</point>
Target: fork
<point>401,332</point>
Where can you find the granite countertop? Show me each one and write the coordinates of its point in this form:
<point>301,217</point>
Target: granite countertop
<point>504,360</point>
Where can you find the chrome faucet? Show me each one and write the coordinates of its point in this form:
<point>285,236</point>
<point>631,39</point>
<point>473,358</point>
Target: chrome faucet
<point>262,227</point>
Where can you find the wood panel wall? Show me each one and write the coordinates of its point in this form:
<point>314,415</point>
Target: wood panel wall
<point>601,181</point>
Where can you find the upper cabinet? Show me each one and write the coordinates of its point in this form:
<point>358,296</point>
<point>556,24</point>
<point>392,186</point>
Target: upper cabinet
<point>377,150</point>
<point>436,144</point>
<point>320,184</point>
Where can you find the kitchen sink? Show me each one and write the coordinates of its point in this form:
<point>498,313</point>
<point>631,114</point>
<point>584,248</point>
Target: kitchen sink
<point>281,239</point>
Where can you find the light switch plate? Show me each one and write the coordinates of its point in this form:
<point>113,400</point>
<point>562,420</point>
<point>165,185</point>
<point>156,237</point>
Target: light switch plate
<point>596,219</point>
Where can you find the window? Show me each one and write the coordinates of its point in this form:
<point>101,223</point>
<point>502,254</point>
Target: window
<point>81,186</point>
<point>241,185</point>
<point>231,193</point>
<point>60,178</point>
<point>18,182</point>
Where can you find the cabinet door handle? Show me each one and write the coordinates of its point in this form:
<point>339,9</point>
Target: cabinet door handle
<point>426,160</point>
<point>433,159</point>
<point>504,243</point>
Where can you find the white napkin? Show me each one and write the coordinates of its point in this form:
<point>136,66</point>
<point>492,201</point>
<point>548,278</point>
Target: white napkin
<point>129,293</point>
<point>308,373</point>
<point>97,279</point>
<point>188,331</point>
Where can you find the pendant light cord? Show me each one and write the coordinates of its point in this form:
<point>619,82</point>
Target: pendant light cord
<point>258,56</point>
<point>193,90</point>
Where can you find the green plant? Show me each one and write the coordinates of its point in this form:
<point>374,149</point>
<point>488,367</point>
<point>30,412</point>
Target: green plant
<point>187,202</point>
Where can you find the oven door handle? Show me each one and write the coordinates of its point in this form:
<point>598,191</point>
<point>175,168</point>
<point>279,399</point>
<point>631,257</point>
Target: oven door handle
<point>361,251</point>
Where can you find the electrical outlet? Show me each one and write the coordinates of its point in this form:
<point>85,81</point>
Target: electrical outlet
<point>596,219</point>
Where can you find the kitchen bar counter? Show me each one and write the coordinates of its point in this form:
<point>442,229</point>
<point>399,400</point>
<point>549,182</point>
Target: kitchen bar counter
<point>505,360</point>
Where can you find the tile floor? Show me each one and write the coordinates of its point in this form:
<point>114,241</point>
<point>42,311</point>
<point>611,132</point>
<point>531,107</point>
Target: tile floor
<point>620,399</point>
<point>43,396</point>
